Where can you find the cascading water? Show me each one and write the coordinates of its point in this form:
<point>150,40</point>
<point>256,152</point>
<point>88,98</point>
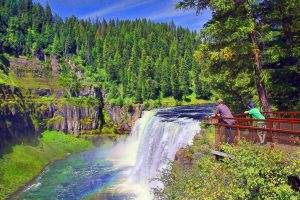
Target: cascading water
<point>122,171</point>
<point>152,144</point>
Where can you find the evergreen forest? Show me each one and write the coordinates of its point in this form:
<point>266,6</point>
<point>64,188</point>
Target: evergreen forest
<point>248,51</point>
<point>131,61</point>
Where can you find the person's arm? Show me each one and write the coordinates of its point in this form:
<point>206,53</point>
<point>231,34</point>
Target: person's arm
<point>217,112</point>
<point>246,112</point>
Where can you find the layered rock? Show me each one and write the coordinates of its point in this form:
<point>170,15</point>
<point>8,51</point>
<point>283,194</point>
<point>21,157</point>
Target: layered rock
<point>73,119</point>
<point>124,117</point>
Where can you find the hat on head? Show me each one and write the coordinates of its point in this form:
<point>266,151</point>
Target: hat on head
<point>220,101</point>
<point>251,105</point>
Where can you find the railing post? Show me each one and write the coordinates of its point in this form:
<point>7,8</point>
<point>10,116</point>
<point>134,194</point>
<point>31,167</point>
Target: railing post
<point>219,133</point>
<point>292,121</point>
<point>271,134</point>
<point>238,133</point>
<point>279,124</point>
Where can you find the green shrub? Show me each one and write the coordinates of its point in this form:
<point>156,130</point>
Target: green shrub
<point>253,173</point>
<point>56,118</point>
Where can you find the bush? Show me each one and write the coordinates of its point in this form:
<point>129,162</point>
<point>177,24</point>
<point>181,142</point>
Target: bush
<point>253,173</point>
<point>151,104</point>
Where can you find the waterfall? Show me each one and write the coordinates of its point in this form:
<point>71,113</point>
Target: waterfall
<point>152,144</point>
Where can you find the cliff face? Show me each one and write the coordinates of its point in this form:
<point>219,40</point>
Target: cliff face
<point>124,117</point>
<point>15,119</point>
<point>22,117</point>
<point>37,103</point>
<point>31,102</point>
<point>75,117</point>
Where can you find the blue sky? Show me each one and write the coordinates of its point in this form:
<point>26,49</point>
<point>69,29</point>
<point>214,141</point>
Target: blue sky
<point>156,10</point>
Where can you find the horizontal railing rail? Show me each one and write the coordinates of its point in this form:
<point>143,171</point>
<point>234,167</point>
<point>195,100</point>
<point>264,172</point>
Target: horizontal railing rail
<point>278,129</point>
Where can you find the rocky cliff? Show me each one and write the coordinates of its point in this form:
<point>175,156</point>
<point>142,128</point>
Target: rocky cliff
<point>71,115</point>
<point>38,103</point>
<point>15,118</point>
<point>124,117</point>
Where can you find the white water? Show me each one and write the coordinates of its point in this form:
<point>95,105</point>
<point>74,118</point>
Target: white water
<point>151,145</point>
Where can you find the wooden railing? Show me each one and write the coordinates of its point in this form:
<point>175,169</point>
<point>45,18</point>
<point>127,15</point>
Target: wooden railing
<point>281,128</point>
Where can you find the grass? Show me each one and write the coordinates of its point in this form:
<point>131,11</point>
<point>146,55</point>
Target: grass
<point>30,82</point>
<point>33,83</point>
<point>189,100</point>
<point>25,162</point>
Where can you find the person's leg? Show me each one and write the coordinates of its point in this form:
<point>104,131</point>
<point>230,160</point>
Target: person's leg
<point>260,138</point>
<point>226,136</point>
<point>264,138</point>
<point>261,134</point>
<point>264,134</point>
<point>230,136</point>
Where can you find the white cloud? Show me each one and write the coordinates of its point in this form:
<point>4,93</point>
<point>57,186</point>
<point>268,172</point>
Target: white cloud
<point>169,13</point>
<point>121,5</point>
<point>185,18</point>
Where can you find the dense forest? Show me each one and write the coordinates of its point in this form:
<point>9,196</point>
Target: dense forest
<point>131,60</point>
<point>248,51</point>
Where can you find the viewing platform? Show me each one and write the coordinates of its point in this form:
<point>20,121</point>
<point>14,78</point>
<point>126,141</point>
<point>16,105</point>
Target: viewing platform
<point>282,129</point>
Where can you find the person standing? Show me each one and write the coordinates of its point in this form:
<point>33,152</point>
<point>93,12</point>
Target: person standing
<point>223,111</point>
<point>256,114</point>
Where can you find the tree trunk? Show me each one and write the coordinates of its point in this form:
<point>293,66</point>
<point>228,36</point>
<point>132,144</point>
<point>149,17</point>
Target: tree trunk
<point>264,101</point>
<point>263,98</point>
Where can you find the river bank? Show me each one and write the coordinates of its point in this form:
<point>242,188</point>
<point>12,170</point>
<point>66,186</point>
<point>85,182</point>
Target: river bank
<point>26,161</point>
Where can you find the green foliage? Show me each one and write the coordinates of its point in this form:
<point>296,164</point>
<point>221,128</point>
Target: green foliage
<point>245,46</point>
<point>26,161</point>
<point>81,101</point>
<point>129,59</point>
<point>248,47</point>
<point>70,81</point>
<point>253,173</point>
<point>6,77</point>
<point>150,104</point>
<point>53,120</point>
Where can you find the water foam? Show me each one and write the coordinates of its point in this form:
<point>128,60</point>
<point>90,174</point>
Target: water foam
<point>152,144</point>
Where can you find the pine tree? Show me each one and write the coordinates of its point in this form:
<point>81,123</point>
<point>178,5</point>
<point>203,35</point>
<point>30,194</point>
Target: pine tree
<point>48,14</point>
<point>132,72</point>
<point>166,78</point>
<point>230,47</point>
<point>184,79</point>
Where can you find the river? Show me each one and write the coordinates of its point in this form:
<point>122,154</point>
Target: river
<point>123,170</point>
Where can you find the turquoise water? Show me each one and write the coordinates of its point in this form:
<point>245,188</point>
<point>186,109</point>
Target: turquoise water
<point>87,175</point>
